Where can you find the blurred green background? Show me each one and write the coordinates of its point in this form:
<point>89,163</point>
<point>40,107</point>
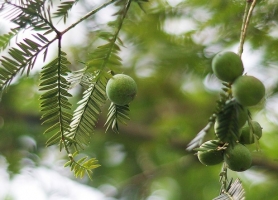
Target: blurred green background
<point>168,51</point>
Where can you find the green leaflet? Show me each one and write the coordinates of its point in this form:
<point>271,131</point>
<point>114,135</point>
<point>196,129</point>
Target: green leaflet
<point>86,114</point>
<point>116,114</point>
<point>106,55</point>
<point>235,191</point>
<point>54,100</point>
<point>82,166</point>
<point>30,14</point>
<point>6,38</point>
<point>63,9</point>
<point>104,58</point>
<point>19,59</point>
<point>227,120</point>
<point>64,128</point>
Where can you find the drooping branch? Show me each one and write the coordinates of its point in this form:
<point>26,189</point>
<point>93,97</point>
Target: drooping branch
<point>246,19</point>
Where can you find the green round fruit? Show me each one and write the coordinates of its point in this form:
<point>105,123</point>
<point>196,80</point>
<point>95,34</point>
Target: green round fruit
<point>210,156</point>
<point>121,89</point>
<point>242,116</point>
<point>248,90</point>
<point>247,136</point>
<point>238,157</point>
<point>227,66</point>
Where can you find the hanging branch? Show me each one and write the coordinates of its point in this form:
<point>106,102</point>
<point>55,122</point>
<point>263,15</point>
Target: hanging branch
<point>245,23</point>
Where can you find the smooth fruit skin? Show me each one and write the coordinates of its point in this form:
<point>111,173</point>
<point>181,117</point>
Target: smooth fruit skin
<point>248,90</point>
<point>247,137</point>
<point>227,66</point>
<point>242,116</point>
<point>121,89</point>
<point>238,157</point>
<point>210,156</point>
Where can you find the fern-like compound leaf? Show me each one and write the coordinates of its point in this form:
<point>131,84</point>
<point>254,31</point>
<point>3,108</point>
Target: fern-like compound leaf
<point>54,101</point>
<point>115,115</point>
<point>63,9</point>
<point>227,128</point>
<point>18,60</point>
<point>32,14</point>
<point>86,114</point>
<point>25,14</point>
<point>6,38</point>
<point>234,192</point>
<point>105,57</point>
<point>82,166</point>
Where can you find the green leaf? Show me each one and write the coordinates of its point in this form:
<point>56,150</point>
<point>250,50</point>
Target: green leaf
<point>116,114</point>
<point>54,101</point>
<point>82,166</point>
<point>63,9</point>
<point>227,129</point>
<point>6,38</point>
<point>86,114</point>
<point>235,192</point>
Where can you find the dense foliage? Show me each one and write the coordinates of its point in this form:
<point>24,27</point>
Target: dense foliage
<point>56,59</point>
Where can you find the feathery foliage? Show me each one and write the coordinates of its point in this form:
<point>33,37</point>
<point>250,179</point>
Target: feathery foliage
<point>86,114</point>
<point>54,102</point>
<point>6,38</point>
<point>33,14</point>
<point>82,166</point>
<point>65,129</point>
<point>20,59</point>
<point>103,59</point>
<point>227,120</point>
<point>63,9</point>
<point>116,114</point>
<point>235,191</point>
<point>23,57</point>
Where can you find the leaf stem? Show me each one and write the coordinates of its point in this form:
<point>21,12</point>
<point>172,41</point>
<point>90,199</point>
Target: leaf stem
<point>88,15</point>
<point>245,23</point>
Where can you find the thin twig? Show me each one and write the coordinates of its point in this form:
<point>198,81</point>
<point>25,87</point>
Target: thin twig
<point>246,20</point>
<point>88,15</point>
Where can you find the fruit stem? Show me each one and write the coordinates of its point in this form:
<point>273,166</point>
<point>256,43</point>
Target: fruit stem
<point>224,178</point>
<point>245,23</point>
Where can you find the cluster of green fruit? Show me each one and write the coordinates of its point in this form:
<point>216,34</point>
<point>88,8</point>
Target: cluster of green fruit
<point>244,91</point>
<point>228,67</point>
<point>121,89</point>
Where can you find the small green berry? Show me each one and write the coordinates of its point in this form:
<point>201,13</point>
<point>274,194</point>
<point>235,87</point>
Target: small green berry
<point>121,89</point>
<point>238,157</point>
<point>227,66</point>
<point>248,90</point>
<point>210,156</point>
<point>247,134</point>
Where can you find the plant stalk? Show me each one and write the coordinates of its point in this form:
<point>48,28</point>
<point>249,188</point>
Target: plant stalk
<point>245,23</point>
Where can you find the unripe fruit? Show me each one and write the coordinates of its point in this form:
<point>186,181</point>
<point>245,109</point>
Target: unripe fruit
<point>242,116</point>
<point>227,66</point>
<point>210,156</point>
<point>247,136</point>
<point>248,90</point>
<point>121,89</point>
<point>238,157</point>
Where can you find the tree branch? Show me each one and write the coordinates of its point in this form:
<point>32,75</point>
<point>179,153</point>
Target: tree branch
<point>245,23</point>
<point>88,15</point>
